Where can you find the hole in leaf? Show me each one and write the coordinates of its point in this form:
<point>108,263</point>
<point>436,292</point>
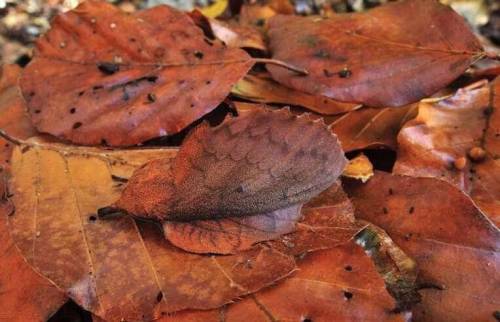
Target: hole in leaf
<point>77,125</point>
<point>92,218</point>
<point>198,54</point>
<point>159,297</point>
<point>72,110</point>
<point>348,295</point>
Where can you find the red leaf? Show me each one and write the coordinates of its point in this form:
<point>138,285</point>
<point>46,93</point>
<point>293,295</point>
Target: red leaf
<point>390,56</point>
<point>103,76</point>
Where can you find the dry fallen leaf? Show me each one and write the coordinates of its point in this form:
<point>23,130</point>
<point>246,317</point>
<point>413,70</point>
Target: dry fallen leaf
<point>359,168</point>
<point>340,284</point>
<point>457,249</point>
<point>120,269</point>
<point>389,56</point>
<point>12,111</point>
<point>230,32</point>
<point>456,139</point>
<point>133,78</point>
<point>263,89</point>
<point>238,183</point>
<point>25,295</point>
<point>372,128</point>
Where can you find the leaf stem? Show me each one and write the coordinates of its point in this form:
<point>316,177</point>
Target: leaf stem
<point>11,139</point>
<point>280,63</point>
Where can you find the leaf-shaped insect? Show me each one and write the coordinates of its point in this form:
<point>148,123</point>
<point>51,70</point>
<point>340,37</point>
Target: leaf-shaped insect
<point>238,183</point>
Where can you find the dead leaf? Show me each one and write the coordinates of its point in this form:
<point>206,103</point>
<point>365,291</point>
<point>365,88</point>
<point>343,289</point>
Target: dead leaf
<point>263,89</point>
<point>389,56</point>
<point>215,9</point>
<point>340,284</point>
<point>25,295</point>
<point>455,246</point>
<point>123,269</point>
<point>372,128</point>
<point>359,168</point>
<point>263,164</point>
<point>100,76</point>
<point>12,111</point>
<point>230,32</point>
<point>454,139</point>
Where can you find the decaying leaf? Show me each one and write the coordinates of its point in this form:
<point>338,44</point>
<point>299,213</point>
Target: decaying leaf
<point>263,164</point>
<point>12,112</point>
<point>263,89</point>
<point>455,246</point>
<point>397,269</point>
<point>339,284</point>
<point>372,128</point>
<point>456,139</point>
<point>389,56</point>
<point>122,269</point>
<point>230,32</point>
<point>100,76</point>
<point>25,295</point>
<point>359,168</point>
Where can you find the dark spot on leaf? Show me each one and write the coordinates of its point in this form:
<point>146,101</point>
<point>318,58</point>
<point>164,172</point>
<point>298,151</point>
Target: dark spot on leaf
<point>81,93</point>
<point>159,297</point>
<point>322,53</point>
<point>208,82</point>
<point>108,68</point>
<point>307,320</point>
<point>77,125</point>
<point>496,315</point>
<point>72,110</point>
<point>345,73</point>
<point>151,98</point>
<point>97,87</point>
<point>208,41</point>
<point>411,210</point>
<point>488,111</point>
<point>92,218</point>
<point>198,54</point>
<point>348,295</point>
<point>391,191</point>
<point>25,149</point>
<point>132,39</point>
<point>260,22</point>
<point>37,111</point>
<point>152,79</point>
<point>385,210</point>
<point>348,268</point>
<point>119,179</point>
<point>104,142</point>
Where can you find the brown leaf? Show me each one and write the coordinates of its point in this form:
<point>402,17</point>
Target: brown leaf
<point>12,112</point>
<point>230,32</point>
<point>25,295</point>
<point>102,76</point>
<point>454,139</point>
<point>372,128</point>
<point>455,246</point>
<point>263,89</point>
<point>340,284</point>
<point>389,56</point>
<point>122,269</point>
<point>254,164</point>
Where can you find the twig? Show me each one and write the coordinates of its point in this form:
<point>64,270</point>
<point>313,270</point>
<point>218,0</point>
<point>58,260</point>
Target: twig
<point>296,69</point>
